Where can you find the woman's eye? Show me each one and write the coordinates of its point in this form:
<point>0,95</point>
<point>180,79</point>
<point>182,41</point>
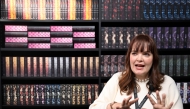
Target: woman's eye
<point>147,54</point>
<point>133,53</point>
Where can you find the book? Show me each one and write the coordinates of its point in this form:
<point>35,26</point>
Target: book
<point>181,37</point>
<point>38,40</point>
<point>61,40</point>
<point>38,34</point>
<point>158,9</point>
<point>164,9</point>
<point>174,36</point>
<point>83,34</point>
<point>182,9</point>
<point>121,38</point>
<point>170,9</point>
<point>15,34</point>
<point>61,28</point>
<point>16,45</point>
<point>61,45</point>
<point>39,45</point>
<point>152,9</point>
<point>18,28</point>
<point>84,45</point>
<point>16,39</point>
<point>166,37</point>
<point>83,28</point>
<point>187,11</point>
<point>159,37</point>
<point>61,34</point>
<point>38,28</point>
<point>176,9</point>
<point>146,10</point>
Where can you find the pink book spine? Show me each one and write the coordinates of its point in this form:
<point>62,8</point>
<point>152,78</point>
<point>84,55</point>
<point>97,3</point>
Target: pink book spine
<point>38,45</point>
<point>84,34</point>
<point>38,34</point>
<point>61,40</point>
<point>16,39</point>
<point>84,45</point>
<point>15,28</point>
<point>61,28</point>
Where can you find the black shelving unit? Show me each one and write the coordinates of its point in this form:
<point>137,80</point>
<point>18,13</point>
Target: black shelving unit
<point>98,51</point>
<point>48,107</point>
<point>51,80</point>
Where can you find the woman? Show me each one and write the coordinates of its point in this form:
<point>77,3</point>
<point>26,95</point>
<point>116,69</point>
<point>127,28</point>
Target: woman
<point>141,80</point>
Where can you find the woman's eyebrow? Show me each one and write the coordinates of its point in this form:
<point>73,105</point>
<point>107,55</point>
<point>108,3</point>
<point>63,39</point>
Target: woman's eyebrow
<point>133,50</point>
<point>146,51</point>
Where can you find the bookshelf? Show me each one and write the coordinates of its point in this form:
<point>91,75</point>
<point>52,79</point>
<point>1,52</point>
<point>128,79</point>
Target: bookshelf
<point>98,51</point>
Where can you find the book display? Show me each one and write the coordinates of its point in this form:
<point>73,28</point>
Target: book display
<point>58,54</point>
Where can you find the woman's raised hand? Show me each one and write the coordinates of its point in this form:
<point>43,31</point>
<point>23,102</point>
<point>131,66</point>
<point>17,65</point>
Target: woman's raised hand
<point>160,104</point>
<point>125,104</point>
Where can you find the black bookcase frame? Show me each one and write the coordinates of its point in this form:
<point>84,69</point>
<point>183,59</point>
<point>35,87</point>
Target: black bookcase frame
<point>80,52</point>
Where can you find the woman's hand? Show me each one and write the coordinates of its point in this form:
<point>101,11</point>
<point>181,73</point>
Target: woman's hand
<point>125,104</point>
<point>160,103</point>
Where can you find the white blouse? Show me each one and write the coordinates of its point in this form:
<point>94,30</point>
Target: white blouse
<point>111,92</point>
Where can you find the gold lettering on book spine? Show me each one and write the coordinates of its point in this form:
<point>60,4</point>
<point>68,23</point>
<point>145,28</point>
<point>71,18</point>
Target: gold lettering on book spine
<point>22,66</point>
<point>83,94</point>
<point>14,66</point>
<point>73,95</point>
<point>78,94</point>
<point>14,95</point>
<point>7,63</point>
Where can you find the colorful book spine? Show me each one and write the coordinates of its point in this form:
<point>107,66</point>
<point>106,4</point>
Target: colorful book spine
<point>41,10</point>
<point>84,45</point>
<point>56,10</point>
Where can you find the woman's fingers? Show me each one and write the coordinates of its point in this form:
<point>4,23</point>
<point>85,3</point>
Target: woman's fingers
<point>133,101</point>
<point>163,99</point>
<point>151,100</point>
<point>126,101</point>
<point>123,102</point>
<point>158,97</point>
<point>170,106</point>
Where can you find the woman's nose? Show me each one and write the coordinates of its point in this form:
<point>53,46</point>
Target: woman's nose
<point>139,57</point>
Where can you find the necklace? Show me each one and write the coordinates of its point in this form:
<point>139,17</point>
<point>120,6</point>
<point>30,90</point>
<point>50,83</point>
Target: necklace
<point>141,80</point>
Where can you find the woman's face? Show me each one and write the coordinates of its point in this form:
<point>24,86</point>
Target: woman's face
<point>141,62</point>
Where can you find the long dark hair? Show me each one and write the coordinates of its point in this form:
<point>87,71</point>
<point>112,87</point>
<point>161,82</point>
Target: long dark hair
<point>127,81</point>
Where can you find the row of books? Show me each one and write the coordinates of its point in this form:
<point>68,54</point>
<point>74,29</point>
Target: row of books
<point>41,34</point>
<point>67,40</point>
<point>48,28</point>
<point>173,65</point>
<point>23,36</point>
<point>145,9</point>
<point>50,66</point>
<point>165,37</point>
<point>50,45</point>
<point>50,9</point>
<point>184,89</point>
<point>49,94</point>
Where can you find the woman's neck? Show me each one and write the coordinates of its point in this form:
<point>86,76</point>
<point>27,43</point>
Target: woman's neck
<point>142,78</point>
